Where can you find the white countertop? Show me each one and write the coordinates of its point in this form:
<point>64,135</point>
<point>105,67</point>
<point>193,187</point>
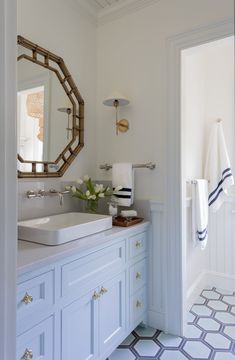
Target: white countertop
<point>32,256</point>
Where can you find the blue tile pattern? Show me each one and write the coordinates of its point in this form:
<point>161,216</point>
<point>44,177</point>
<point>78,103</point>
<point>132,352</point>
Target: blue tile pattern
<point>210,334</point>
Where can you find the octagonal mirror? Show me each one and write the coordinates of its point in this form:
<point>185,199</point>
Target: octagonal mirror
<point>50,113</point>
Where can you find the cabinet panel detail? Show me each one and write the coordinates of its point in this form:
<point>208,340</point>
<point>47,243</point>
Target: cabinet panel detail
<point>37,343</point>
<point>137,244</point>
<point>80,329</point>
<point>35,295</point>
<point>112,317</point>
<point>81,273</point>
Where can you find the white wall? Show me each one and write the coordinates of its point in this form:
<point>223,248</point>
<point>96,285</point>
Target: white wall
<point>131,57</point>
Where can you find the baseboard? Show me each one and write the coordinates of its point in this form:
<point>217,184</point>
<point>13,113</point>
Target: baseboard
<point>195,289</point>
<point>220,280</point>
<point>156,320</point>
<point>212,279</point>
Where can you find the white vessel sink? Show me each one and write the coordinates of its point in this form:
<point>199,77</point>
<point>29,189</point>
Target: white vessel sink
<point>62,228</point>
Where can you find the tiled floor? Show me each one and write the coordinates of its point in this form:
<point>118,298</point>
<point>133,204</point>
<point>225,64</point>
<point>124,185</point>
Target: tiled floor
<point>210,334</point>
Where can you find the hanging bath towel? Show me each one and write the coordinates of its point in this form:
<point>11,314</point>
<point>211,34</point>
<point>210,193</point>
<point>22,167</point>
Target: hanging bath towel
<point>123,175</point>
<point>218,169</point>
<point>200,212</point>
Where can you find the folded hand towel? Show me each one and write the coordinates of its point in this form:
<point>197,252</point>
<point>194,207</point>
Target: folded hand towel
<point>128,213</point>
<point>123,175</point>
<point>217,168</point>
<point>200,212</point>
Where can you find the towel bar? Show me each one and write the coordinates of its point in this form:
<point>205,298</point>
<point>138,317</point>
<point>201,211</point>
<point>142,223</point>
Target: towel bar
<point>150,166</point>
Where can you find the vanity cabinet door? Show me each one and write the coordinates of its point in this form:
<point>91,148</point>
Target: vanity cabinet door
<point>79,328</point>
<point>112,317</point>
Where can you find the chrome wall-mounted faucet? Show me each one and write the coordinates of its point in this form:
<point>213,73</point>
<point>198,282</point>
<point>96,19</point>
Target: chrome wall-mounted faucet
<point>31,194</point>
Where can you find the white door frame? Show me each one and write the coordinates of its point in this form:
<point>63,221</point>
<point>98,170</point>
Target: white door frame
<point>175,189</point>
<point>8,180</point>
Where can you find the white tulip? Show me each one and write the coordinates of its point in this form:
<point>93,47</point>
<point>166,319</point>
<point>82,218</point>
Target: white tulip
<point>73,188</point>
<point>79,181</point>
<point>86,178</point>
<point>101,195</point>
<point>67,187</point>
<point>88,193</point>
<point>97,188</point>
<point>93,197</point>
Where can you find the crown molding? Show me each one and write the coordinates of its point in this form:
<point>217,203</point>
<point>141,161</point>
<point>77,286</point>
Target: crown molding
<point>113,12</point>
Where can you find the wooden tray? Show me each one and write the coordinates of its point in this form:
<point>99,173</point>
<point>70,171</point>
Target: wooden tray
<point>126,221</point>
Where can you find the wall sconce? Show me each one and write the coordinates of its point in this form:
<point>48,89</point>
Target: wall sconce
<point>117,100</point>
<point>68,111</point>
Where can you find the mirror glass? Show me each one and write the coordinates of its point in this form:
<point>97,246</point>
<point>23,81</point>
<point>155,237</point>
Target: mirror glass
<point>49,113</point>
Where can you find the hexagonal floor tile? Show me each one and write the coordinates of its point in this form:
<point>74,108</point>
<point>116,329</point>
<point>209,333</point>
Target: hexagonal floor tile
<point>224,356</point>
<point>169,340</point>
<point>145,331</point>
<point>146,348</point>
<point>191,317</point>
<point>201,310</point>
<point>225,317</point>
<point>128,340</point>
<point>229,300</point>
<point>217,305</point>
<point>197,349</point>
<point>224,292</point>
<point>200,300</point>
<point>208,324</point>
<point>172,355</point>
<point>192,332</point>
<point>233,310</point>
<point>210,294</point>
<point>230,331</point>
<point>122,354</point>
<point>217,341</point>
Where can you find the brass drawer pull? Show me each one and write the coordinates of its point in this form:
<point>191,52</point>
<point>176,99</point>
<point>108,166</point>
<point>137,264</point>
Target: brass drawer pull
<point>103,291</point>
<point>138,275</point>
<point>138,304</point>
<point>138,244</point>
<point>28,354</point>
<point>27,299</point>
<point>95,296</point>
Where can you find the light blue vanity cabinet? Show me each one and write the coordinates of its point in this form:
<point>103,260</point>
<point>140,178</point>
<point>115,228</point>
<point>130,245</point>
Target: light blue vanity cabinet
<point>85,302</point>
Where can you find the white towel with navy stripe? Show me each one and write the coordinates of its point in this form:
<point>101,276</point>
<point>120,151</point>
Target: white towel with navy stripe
<point>123,175</point>
<point>200,212</point>
<point>218,169</point>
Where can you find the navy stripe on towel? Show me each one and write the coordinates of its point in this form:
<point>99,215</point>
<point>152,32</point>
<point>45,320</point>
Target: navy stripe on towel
<point>221,181</point>
<point>124,189</point>
<point>202,235</point>
<point>123,196</point>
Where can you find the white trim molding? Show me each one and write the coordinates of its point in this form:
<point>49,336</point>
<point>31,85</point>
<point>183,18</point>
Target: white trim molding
<point>114,11</point>
<point>157,261</point>
<point>8,217</point>
<point>175,187</point>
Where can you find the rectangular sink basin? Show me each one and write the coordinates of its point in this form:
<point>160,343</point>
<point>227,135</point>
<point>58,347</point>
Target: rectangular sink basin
<point>62,228</point>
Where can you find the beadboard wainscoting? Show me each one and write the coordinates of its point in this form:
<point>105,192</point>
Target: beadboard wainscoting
<point>157,268</point>
<point>215,265</point>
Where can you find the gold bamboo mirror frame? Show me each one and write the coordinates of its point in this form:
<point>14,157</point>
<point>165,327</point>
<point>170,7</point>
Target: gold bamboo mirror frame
<point>28,168</point>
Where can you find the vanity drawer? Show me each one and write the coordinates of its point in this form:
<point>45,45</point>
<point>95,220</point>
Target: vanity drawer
<point>37,343</point>
<point>138,305</point>
<point>34,296</point>
<point>80,275</point>
<point>137,244</point>
<point>138,275</point>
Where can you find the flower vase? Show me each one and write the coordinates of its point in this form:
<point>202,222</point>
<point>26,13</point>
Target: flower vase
<point>92,206</point>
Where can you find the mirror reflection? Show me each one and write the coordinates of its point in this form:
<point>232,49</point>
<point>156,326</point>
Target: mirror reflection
<point>44,110</point>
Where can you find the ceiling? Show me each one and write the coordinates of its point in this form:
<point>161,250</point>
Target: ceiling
<point>103,11</point>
